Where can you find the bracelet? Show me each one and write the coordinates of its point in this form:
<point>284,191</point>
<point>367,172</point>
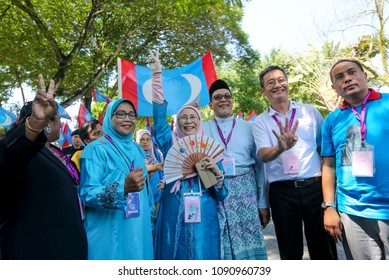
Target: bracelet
<point>30,128</point>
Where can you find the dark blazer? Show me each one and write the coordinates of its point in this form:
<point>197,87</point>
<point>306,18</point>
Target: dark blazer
<point>40,214</point>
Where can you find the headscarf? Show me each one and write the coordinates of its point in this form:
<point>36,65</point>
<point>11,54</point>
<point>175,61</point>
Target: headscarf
<point>150,155</point>
<point>177,133</point>
<point>124,143</point>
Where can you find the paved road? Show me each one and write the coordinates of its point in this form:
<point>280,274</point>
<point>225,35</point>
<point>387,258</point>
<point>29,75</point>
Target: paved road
<point>272,247</point>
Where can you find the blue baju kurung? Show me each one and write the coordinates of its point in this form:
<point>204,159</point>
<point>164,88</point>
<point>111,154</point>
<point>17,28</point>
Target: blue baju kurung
<point>105,163</point>
<point>175,239</point>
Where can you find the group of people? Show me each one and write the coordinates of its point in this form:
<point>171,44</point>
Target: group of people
<point>110,200</point>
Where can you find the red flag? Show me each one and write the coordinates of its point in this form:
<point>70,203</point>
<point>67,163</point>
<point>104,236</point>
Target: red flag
<point>65,138</point>
<point>148,126</point>
<point>240,115</point>
<point>101,118</point>
<point>83,115</point>
<point>252,116</point>
<point>181,86</point>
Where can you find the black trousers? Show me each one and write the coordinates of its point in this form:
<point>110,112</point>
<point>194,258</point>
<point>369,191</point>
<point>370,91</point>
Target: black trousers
<point>297,209</point>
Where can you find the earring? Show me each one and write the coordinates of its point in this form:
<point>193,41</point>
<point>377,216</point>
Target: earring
<point>48,129</point>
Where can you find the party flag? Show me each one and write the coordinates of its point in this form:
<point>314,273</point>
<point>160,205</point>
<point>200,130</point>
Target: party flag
<point>148,125</point>
<point>62,112</point>
<point>240,115</point>
<point>65,138</point>
<point>98,97</point>
<point>252,116</point>
<point>83,115</point>
<point>6,118</point>
<point>181,86</point>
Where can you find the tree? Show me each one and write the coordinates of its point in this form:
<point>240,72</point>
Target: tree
<point>373,17</point>
<point>242,78</point>
<point>76,43</point>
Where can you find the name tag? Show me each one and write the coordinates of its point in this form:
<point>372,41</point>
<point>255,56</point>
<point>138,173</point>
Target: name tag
<point>133,205</point>
<point>363,163</point>
<point>229,166</point>
<point>290,163</point>
<point>192,207</point>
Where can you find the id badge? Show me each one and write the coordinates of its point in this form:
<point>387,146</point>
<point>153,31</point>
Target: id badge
<point>229,166</point>
<point>192,208</point>
<point>133,205</point>
<point>363,163</point>
<point>290,163</point>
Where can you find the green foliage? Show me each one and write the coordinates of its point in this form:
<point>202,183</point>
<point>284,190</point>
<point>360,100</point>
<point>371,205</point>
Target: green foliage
<point>77,42</point>
<point>241,76</point>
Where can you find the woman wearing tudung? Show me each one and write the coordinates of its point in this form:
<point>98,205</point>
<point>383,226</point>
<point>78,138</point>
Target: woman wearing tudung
<point>40,213</point>
<point>182,234</point>
<point>154,164</point>
<point>119,207</point>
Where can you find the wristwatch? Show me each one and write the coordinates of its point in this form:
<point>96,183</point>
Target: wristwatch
<point>326,204</point>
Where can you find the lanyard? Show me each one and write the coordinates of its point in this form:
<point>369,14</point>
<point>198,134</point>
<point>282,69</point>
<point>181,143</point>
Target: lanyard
<point>291,119</point>
<point>362,118</point>
<point>68,163</point>
<point>225,141</point>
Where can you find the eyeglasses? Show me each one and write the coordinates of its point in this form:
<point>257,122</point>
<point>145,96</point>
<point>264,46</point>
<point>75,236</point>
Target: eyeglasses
<point>145,140</point>
<point>272,82</point>
<point>122,115</point>
<point>186,118</point>
<point>219,97</point>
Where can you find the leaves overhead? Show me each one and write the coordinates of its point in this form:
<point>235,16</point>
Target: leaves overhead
<point>77,42</point>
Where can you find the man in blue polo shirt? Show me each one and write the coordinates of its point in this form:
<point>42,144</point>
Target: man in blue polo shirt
<point>354,150</point>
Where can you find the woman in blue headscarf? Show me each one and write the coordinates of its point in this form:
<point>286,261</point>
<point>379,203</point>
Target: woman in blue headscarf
<point>119,207</point>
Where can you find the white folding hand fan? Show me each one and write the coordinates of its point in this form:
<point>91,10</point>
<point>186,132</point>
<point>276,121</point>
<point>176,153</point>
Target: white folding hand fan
<point>182,157</point>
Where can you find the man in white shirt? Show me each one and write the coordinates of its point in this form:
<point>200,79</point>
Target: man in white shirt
<point>287,136</point>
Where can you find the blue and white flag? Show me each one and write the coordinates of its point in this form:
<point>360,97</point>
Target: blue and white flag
<point>181,86</point>
<point>62,112</point>
<point>6,118</point>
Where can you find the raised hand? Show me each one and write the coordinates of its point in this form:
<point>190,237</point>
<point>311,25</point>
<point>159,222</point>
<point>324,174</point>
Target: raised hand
<point>43,109</point>
<point>44,106</point>
<point>195,103</point>
<point>154,63</point>
<point>287,138</point>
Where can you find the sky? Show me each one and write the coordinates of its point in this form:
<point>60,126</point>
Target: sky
<point>294,24</point>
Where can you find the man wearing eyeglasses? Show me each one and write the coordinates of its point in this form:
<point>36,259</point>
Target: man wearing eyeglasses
<point>245,211</point>
<point>287,136</point>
